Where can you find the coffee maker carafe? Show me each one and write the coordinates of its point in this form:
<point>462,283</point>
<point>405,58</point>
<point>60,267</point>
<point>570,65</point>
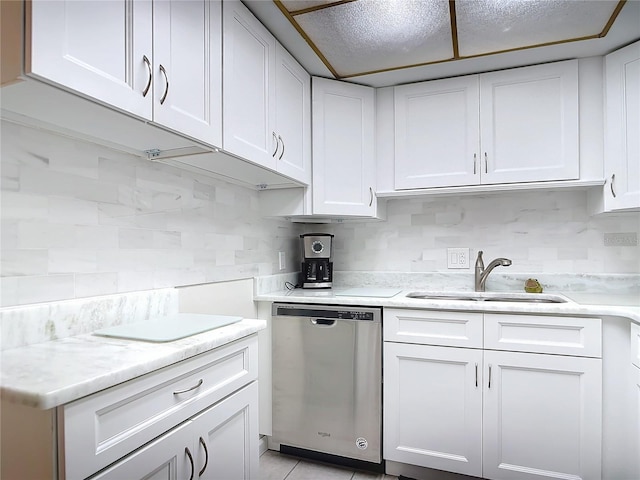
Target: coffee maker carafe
<point>317,267</point>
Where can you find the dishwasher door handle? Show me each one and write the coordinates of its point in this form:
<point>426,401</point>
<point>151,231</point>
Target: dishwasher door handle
<point>323,322</point>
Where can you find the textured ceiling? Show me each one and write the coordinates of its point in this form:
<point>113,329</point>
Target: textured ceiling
<point>360,37</point>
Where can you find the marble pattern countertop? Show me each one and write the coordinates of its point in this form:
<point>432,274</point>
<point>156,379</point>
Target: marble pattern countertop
<point>578,304</point>
<point>50,374</point>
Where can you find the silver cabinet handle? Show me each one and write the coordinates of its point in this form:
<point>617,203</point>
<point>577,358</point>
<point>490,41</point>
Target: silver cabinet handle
<point>476,375</point>
<point>275,137</point>
<point>281,140</point>
<point>166,87</point>
<point>613,179</point>
<point>474,163</point>
<point>186,450</point>
<point>180,392</point>
<point>323,322</point>
<point>206,456</point>
<point>370,196</point>
<point>486,163</point>
<point>148,86</point>
<point>489,375</point>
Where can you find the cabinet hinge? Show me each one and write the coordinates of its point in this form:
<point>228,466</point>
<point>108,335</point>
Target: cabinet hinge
<point>153,153</point>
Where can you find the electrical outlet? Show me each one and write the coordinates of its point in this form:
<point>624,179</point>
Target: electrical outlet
<point>457,258</point>
<point>281,261</point>
<point>621,239</point>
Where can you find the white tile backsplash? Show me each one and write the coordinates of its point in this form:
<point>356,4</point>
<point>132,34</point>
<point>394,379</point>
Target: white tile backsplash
<point>82,220</point>
<point>541,231</point>
<point>25,325</point>
<point>116,223</point>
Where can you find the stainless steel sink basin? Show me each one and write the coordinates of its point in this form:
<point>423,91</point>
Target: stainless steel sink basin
<point>490,297</point>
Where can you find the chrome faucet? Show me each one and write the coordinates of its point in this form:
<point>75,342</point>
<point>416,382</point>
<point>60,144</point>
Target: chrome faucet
<point>482,273</point>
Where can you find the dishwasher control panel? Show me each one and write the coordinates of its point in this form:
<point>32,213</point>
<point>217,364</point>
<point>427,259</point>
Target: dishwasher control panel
<point>336,312</point>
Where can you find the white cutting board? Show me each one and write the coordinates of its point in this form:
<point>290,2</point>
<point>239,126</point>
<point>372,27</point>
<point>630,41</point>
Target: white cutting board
<point>169,328</point>
<point>368,292</point>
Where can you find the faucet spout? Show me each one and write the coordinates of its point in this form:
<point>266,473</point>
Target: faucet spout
<point>482,273</point>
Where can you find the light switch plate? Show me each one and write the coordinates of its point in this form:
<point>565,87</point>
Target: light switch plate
<point>281,260</point>
<point>457,258</point>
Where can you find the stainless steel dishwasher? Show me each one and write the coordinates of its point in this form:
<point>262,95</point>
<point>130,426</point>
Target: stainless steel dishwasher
<point>327,381</point>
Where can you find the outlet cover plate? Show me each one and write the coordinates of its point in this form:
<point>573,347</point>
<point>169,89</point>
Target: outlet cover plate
<point>457,258</point>
<point>621,239</point>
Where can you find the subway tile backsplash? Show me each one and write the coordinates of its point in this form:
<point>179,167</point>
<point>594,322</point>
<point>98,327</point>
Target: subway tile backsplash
<point>82,220</point>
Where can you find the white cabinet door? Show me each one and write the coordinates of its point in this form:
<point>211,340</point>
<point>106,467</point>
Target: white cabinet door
<point>542,416</point>
<point>166,458</point>
<point>227,437</point>
<point>343,128</point>
<point>622,141</point>
<point>101,49</point>
<point>187,68</point>
<point>437,135</point>
<point>433,407</point>
<point>529,124</point>
<point>635,418</point>
<point>249,83</point>
<point>293,117</point>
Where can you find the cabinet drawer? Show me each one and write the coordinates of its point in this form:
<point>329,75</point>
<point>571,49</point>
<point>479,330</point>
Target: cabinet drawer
<point>576,336</point>
<point>101,428</point>
<point>635,344</point>
<point>432,327</point>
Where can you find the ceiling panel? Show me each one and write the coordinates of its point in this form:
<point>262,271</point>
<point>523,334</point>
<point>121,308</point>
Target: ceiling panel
<point>369,35</point>
<point>488,26</point>
<point>358,38</point>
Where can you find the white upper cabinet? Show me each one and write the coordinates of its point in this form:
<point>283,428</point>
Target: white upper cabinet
<point>343,128</point>
<point>510,126</point>
<point>99,49</point>
<point>187,87</point>
<point>529,124</point>
<point>157,60</point>
<point>266,97</point>
<point>249,81</point>
<point>437,133</point>
<point>293,117</point>
<point>622,124</point>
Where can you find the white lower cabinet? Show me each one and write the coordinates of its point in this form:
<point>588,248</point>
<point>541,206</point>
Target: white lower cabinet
<point>227,437</point>
<point>219,443</point>
<point>495,414</point>
<point>635,396</point>
<point>541,416</point>
<point>433,407</point>
<point>635,385</point>
<point>195,419</point>
<point>164,458</point>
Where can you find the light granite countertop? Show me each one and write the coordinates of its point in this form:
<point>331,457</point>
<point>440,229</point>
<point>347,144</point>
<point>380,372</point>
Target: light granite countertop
<point>49,374</point>
<point>577,304</point>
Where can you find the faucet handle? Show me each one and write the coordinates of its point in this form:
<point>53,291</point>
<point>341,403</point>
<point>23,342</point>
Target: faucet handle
<point>479,261</point>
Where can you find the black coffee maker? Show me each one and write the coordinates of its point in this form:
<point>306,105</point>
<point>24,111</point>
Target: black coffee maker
<point>317,268</point>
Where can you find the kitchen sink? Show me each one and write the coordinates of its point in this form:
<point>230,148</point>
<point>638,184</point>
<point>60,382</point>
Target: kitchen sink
<point>490,297</point>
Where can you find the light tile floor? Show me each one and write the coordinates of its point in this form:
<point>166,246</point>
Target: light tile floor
<point>275,466</point>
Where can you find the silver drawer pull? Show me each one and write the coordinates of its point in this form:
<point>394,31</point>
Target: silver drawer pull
<point>166,84</point>
<point>281,140</point>
<point>613,179</point>
<point>180,392</point>
<point>148,64</point>
<point>186,450</point>
<point>206,456</point>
